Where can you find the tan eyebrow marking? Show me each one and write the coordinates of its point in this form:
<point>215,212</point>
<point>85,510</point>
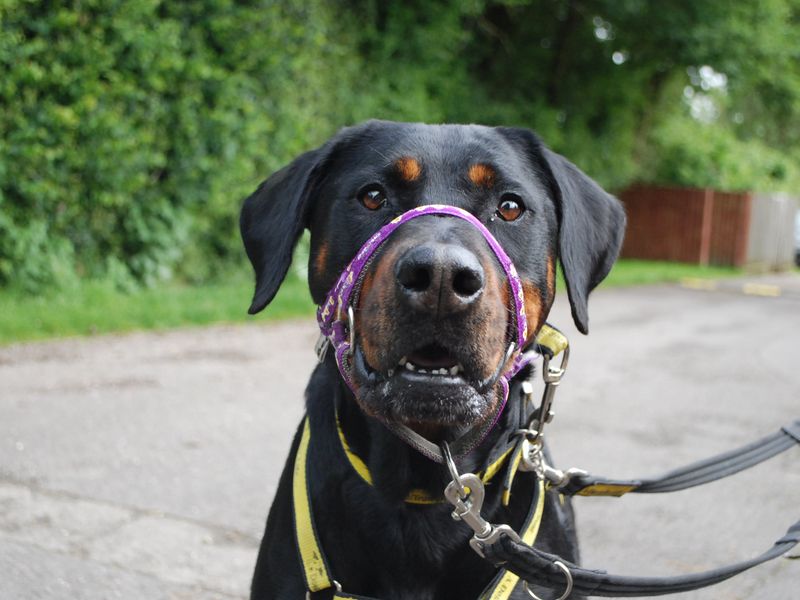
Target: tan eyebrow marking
<point>481,175</point>
<point>408,167</point>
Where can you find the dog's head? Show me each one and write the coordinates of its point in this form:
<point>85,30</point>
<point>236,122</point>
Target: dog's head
<point>433,310</point>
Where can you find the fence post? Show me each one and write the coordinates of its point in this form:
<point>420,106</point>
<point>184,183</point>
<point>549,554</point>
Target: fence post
<point>705,226</point>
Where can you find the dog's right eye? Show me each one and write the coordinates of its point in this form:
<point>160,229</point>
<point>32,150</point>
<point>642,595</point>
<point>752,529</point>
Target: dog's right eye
<point>372,197</point>
<point>510,207</point>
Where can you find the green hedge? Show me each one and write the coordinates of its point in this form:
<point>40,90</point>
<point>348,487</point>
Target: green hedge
<point>131,130</point>
<point>134,129</point>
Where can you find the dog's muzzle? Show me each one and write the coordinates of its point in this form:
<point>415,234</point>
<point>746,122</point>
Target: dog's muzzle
<point>336,319</point>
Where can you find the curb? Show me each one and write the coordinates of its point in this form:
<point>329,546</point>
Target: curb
<point>749,289</point>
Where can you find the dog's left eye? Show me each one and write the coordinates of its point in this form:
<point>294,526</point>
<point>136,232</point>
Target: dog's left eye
<point>510,207</point>
<point>373,197</point>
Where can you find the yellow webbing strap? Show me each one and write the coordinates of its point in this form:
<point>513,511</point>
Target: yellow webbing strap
<point>503,585</point>
<point>511,472</point>
<point>416,496</point>
<point>315,570</point>
<point>359,466</point>
<point>551,340</point>
<point>606,489</point>
<point>493,468</point>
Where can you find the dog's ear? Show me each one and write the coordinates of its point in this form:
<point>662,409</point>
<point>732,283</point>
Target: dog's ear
<point>273,218</point>
<point>591,229</point>
<point>591,223</point>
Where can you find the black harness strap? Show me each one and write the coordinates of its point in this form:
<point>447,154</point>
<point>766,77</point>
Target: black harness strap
<point>691,475</point>
<point>536,566</point>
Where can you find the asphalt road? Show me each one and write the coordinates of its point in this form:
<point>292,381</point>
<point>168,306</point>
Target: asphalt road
<point>142,466</point>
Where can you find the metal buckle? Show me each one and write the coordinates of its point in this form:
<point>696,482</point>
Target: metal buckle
<point>568,589</point>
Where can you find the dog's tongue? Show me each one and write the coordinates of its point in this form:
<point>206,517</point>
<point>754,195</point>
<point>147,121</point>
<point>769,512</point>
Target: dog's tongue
<point>432,356</point>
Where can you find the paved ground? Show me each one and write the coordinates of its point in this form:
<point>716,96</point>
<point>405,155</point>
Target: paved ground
<point>142,466</point>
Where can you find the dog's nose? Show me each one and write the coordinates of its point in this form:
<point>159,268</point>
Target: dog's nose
<point>440,278</point>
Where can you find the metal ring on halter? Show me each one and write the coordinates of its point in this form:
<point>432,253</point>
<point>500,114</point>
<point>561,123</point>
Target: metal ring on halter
<point>567,591</point>
<point>351,325</point>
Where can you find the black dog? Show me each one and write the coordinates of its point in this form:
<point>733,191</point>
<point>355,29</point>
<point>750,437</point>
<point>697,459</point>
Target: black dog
<point>434,296</point>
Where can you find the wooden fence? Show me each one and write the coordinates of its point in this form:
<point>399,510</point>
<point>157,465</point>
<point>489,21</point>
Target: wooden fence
<point>705,226</point>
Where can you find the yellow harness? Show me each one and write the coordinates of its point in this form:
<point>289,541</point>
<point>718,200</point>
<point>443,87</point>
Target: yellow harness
<point>316,571</point>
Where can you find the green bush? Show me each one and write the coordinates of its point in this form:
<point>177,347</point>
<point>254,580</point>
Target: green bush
<point>132,129</point>
<point>689,153</point>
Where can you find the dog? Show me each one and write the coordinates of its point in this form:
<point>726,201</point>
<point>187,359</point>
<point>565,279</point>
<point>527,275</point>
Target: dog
<point>430,324</point>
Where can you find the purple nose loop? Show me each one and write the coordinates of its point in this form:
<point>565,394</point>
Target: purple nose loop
<point>335,316</point>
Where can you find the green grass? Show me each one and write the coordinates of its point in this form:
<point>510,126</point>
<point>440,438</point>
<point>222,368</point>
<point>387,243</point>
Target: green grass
<point>628,272</point>
<point>96,307</point>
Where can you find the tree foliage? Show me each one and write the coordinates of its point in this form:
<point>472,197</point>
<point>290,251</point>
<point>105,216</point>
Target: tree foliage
<point>131,130</point>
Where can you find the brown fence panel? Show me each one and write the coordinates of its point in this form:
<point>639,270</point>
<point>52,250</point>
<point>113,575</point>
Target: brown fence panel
<point>730,223</point>
<point>663,224</point>
<point>686,225</point>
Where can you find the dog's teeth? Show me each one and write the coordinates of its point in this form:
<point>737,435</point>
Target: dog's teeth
<point>455,369</point>
<point>403,361</point>
<point>391,372</point>
<point>409,366</point>
<point>442,371</point>
<point>423,371</point>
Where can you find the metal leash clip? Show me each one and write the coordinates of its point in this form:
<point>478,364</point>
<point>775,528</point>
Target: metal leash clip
<point>466,493</point>
<point>532,459</point>
<point>551,375</point>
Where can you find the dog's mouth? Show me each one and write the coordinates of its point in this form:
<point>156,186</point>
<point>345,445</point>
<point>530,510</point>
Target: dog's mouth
<point>428,386</point>
<point>430,360</point>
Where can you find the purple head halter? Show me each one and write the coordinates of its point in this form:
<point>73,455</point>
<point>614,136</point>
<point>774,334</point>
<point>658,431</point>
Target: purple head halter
<point>335,316</point>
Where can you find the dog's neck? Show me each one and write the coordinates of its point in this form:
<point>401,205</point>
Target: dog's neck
<point>396,467</point>
<point>390,530</point>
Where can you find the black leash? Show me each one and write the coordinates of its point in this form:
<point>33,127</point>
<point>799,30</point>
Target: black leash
<point>553,571</point>
<point>533,565</point>
<point>503,547</point>
<point>704,471</point>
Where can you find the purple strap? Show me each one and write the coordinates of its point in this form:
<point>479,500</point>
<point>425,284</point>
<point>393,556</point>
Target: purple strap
<point>332,315</point>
